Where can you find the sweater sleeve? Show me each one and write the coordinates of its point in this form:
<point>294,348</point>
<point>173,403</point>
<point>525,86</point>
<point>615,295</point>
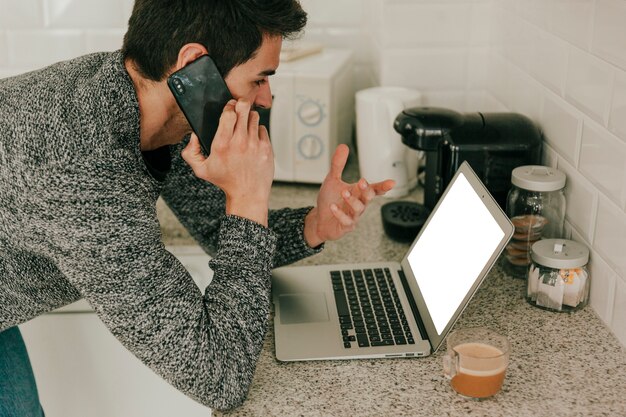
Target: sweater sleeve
<point>99,222</point>
<point>197,204</point>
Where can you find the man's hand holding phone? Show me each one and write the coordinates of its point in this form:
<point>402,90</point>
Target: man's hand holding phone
<point>241,161</point>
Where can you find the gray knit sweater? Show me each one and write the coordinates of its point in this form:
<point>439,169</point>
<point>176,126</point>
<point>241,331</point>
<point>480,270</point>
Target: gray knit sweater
<point>78,220</point>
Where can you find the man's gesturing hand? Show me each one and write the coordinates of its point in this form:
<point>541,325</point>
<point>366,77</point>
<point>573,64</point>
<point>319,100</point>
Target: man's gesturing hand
<point>339,204</point>
<point>241,161</point>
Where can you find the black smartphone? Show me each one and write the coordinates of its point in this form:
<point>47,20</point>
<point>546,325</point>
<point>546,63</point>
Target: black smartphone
<point>201,94</point>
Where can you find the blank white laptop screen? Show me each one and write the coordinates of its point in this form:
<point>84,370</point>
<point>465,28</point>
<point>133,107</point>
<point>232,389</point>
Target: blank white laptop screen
<point>453,249</point>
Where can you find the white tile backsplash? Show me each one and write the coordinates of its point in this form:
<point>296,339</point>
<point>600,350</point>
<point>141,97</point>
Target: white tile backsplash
<point>618,323</point>
<point>581,197</point>
<point>609,35</point>
<point>37,48</point>
<point>436,69</point>
<point>103,40</point>
<point>482,101</point>
<point>333,13</point>
<point>477,67</point>
<point>602,289</point>
<point>562,126</point>
<point>85,14</point>
<point>481,23</point>
<point>572,20</point>
<point>4,53</point>
<point>525,95</point>
<point>603,160</point>
<point>617,118</point>
<point>549,156</point>
<point>419,24</point>
<point>538,12</point>
<point>549,62</point>
<point>610,235</point>
<point>21,14</point>
<point>351,38</point>
<point>589,83</point>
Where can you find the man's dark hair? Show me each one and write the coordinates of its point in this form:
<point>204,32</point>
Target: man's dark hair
<point>231,30</point>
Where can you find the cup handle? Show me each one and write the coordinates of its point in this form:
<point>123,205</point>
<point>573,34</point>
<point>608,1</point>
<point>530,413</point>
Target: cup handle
<point>450,364</point>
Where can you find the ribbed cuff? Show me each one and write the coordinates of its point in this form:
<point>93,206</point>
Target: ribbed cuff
<point>245,243</point>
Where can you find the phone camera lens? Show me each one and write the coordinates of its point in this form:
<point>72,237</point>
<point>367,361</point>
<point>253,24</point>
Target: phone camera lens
<point>179,86</point>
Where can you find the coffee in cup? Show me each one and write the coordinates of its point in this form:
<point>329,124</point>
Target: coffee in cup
<point>476,362</point>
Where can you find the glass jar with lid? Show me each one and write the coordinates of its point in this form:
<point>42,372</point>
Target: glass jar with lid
<point>536,206</point>
<point>558,278</point>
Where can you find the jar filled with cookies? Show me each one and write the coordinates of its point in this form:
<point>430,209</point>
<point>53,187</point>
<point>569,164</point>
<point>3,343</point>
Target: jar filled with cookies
<point>558,278</point>
<point>536,206</point>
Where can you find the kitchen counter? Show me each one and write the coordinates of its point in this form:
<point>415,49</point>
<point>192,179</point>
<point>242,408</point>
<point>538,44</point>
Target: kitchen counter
<point>561,364</point>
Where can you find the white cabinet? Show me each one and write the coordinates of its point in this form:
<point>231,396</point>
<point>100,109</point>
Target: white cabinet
<point>83,371</point>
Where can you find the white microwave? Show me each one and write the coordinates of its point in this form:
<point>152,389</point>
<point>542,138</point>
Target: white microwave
<point>312,112</point>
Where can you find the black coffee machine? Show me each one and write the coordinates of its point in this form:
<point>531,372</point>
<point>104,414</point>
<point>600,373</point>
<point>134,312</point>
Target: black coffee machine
<point>492,143</point>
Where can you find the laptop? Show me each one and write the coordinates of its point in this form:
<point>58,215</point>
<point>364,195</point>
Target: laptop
<point>391,309</point>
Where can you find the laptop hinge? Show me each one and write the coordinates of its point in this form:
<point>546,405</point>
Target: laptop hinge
<point>416,314</point>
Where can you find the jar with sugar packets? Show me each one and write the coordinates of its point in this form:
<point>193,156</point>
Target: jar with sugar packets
<point>558,278</point>
<point>536,206</point>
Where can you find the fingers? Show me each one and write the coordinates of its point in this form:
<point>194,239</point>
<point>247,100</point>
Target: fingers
<point>338,163</point>
<point>192,154</point>
<point>367,192</point>
<point>242,108</point>
<point>380,188</point>
<point>226,125</point>
<point>344,219</point>
<point>253,124</point>
<point>357,206</point>
<point>263,134</point>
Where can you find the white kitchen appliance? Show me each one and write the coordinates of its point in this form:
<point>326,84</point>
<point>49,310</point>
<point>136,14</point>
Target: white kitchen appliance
<point>312,113</point>
<point>382,155</point>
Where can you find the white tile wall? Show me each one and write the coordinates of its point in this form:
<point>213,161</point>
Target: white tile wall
<point>602,291</point>
<point>438,68</point>
<point>617,117</point>
<point>85,14</point>
<point>103,40</point>
<point>333,13</point>
<point>582,200</point>
<point>603,161</point>
<point>589,83</point>
<point>618,322</point>
<point>36,48</point>
<point>561,62</point>
<point>610,235</point>
<point>562,126</point>
<point>572,20</point>
<point>609,36</point>
<point>481,23</point>
<point>549,156</point>
<point>21,14</point>
<point>549,61</point>
<point>3,50</point>
<point>424,24</point>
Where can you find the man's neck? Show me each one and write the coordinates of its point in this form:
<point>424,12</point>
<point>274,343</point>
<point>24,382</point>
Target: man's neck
<point>159,117</point>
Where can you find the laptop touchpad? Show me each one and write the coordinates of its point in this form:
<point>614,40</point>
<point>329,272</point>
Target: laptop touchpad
<point>303,308</point>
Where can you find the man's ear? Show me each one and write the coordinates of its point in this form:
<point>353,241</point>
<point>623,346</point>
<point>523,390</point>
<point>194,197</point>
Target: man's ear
<point>188,53</point>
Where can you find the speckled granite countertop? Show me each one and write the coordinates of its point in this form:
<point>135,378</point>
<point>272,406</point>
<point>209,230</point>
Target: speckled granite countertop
<point>561,364</point>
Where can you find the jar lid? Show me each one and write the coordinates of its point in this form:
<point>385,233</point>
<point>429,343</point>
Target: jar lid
<point>538,178</point>
<point>559,253</point>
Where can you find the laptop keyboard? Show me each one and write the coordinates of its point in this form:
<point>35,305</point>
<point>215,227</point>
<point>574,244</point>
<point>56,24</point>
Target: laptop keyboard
<point>369,308</point>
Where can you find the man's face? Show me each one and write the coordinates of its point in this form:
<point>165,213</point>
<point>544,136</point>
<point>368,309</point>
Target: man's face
<point>249,81</point>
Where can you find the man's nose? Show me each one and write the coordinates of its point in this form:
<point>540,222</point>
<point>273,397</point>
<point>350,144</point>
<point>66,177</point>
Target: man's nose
<point>264,96</point>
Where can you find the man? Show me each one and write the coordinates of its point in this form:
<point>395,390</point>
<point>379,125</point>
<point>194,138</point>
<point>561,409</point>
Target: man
<point>88,145</point>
